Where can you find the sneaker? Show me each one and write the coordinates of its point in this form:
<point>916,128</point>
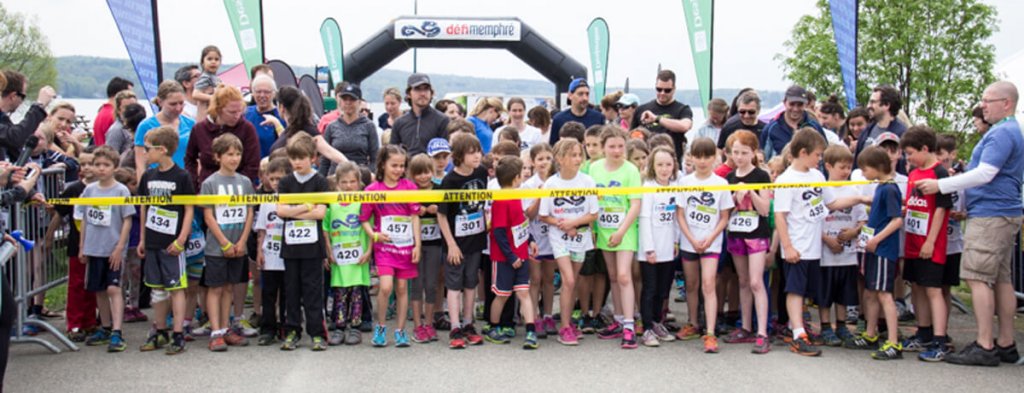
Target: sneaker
<point>861,341</point>
<point>472,337</point>
<point>650,339</point>
<point>335,337</point>
<point>549,326</point>
<point>1008,354</point>
<point>710,344</point>
<point>154,342</point>
<point>611,332</point>
<point>132,315</point>
<point>76,335</point>
<point>441,322</point>
<point>117,343</point>
<point>905,315</point>
<point>353,336</point>
<point>530,342</point>
<point>688,332</point>
<point>29,330</point>
<point>366,326</point>
<point>235,340</point>
<point>739,336</point>
<point>175,348</point>
<point>830,338</point>
<point>218,344</point>
<point>628,339</point>
<point>455,339</point>
<point>803,346</point>
<point>889,351</point>
<point>661,332</point>
<point>100,337</point>
<point>202,330</point>
<point>936,353</point>
<point>579,333</point>
<point>566,336</point>
<point>254,319</point>
<point>266,339</point>
<point>290,342</point>
<point>380,338</point>
<point>816,339</point>
<point>843,333</point>
<point>187,333</point>
<point>420,335</point>
<point>431,333</point>
<point>246,329</point>
<point>494,335</point>
<point>319,344</point>
<point>508,332</point>
<point>915,344</point>
<point>974,355</point>
<point>588,325</point>
<point>762,345</point>
<point>401,339</point>
<point>541,333</point>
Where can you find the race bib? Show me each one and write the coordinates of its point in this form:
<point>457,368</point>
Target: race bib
<point>398,229</point>
<point>866,233</point>
<point>521,233</point>
<point>816,210</point>
<point>429,229</point>
<point>664,215</point>
<point>469,224</point>
<point>917,223</point>
<point>611,217</point>
<point>230,215</point>
<point>98,215</point>
<point>701,217</point>
<point>580,242</point>
<point>272,245</point>
<point>347,253</point>
<point>744,222</point>
<point>162,220</point>
<point>195,246</point>
<point>300,232</point>
<point>847,245</point>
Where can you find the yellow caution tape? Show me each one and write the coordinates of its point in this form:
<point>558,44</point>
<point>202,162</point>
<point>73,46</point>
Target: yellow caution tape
<point>426,196</point>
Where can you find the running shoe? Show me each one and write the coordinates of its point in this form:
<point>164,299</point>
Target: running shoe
<point>530,342</point>
<point>420,335</point>
<point>380,338</point>
<point>472,337</point>
<point>401,339</point>
<point>588,324</point>
<point>246,329</point>
<point>541,332</point>
<point>762,345</point>
<point>830,338</point>
<point>494,335</point>
<point>915,344</point>
<point>710,344</point>
<point>218,344</point>
<point>202,330</point>
<point>353,336</point>
<point>650,339</point>
<point>76,335</point>
<point>187,333</point>
<point>29,330</point>
<point>154,342</point>
<point>1008,354</point>
<point>117,343</point>
<point>628,339</point>
<point>661,332</point>
<point>936,353</point>
<point>335,337</point>
<point>550,327</point>
<point>889,351</point>
<point>843,333</point>
<point>579,333</point>
<point>267,339</point>
<point>441,322</point>
<point>816,339</point>
<point>319,344</point>
<point>974,355</point>
<point>688,332</point>
<point>508,332</point>
<point>566,336</point>
<point>803,346</point>
<point>455,339</point>
<point>235,340</point>
<point>861,341</point>
<point>739,336</point>
<point>99,337</point>
<point>431,333</point>
<point>611,332</point>
<point>132,314</point>
<point>291,341</point>
<point>175,348</point>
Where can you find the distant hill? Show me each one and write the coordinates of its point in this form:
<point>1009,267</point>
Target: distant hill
<point>86,77</point>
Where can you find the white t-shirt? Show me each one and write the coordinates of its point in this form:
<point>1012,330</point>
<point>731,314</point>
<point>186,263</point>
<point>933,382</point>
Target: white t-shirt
<point>955,236</point>
<point>832,137</point>
<point>569,208</point>
<point>837,221</point>
<point>268,220</point>
<point>538,229</point>
<point>529,135</point>
<point>807,211</point>
<point>190,110</point>
<point>703,211</point>
<point>659,229</point>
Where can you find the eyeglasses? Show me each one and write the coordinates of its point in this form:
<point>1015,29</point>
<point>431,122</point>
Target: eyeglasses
<point>668,90</point>
<point>149,147</point>
<point>983,101</point>
<point>746,112</point>
<point>21,95</point>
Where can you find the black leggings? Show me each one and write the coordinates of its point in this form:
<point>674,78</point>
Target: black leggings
<point>657,284</point>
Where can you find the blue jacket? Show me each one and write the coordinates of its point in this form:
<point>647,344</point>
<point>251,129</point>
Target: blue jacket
<point>483,132</point>
<point>266,133</point>
<point>777,134</point>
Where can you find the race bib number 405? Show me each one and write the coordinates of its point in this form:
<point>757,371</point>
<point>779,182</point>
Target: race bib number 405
<point>98,215</point>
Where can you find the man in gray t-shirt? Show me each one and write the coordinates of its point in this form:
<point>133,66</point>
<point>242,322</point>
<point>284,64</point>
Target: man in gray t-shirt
<point>230,218</point>
<point>104,222</point>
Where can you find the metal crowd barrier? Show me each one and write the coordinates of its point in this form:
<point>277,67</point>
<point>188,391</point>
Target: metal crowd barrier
<point>29,279</point>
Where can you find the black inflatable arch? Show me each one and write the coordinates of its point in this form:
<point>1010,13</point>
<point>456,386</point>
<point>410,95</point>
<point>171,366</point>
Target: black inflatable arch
<point>533,49</point>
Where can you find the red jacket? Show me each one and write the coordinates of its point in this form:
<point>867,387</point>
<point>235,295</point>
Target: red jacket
<point>199,161</point>
<point>104,119</point>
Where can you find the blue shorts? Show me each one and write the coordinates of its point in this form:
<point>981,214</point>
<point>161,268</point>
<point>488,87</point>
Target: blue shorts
<point>505,279</point>
<point>98,276</point>
<point>804,278</point>
<point>879,273</point>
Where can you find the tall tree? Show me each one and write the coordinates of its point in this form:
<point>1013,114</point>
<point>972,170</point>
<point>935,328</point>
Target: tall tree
<point>935,52</point>
<point>25,49</point>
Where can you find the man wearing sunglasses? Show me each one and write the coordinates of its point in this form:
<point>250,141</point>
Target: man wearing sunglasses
<point>13,136</point>
<point>780,130</point>
<point>664,114</point>
<point>748,107</point>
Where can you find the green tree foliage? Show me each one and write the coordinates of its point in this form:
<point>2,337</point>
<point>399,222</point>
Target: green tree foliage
<point>933,51</point>
<point>25,49</point>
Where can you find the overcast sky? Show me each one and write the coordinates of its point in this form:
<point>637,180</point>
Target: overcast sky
<point>748,33</point>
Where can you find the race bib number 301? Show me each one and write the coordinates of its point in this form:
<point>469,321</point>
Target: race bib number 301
<point>469,224</point>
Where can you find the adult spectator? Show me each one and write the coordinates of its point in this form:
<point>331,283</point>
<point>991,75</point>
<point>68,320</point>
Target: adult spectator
<point>106,116</point>
<point>884,105</point>
<point>392,108</point>
<point>626,107</point>
<point>116,136</point>
<point>452,109</point>
<point>296,110</point>
<point>747,106</point>
<point>665,115</point>
<point>856,123</point>
<point>733,109</point>
<point>579,110</point>
<point>540,117</point>
<point>223,116</point>
<point>170,97</point>
<point>62,118</point>
<point>352,134</point>
<point>779,131</point>
<point>992,186</point>
<point>486,111</point>
<point>718,111</point>
<point>13,136</point>
<point>978,118</point>
<point>414,130</point>
<point>608,109</point>
<point>264,90</point>
<point>529,135</point>
<point>833,120</point>
<point>121,136</point>
<point>187,77</point>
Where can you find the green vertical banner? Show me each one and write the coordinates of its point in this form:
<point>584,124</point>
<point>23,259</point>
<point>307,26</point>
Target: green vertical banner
<point>597,36</point>
<point>247,25</point>
<point>699,25</point>
<point>330,33</point>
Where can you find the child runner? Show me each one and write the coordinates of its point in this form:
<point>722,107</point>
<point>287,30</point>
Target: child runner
<point>349,253</point>
<point>839,266</point>
<point>270,230</point>
<point>659,240</point>
<point>81,307</point>
<point>395,230</point>
<point>542,272</point>
<point>131,275</point>
<point>424,286</point>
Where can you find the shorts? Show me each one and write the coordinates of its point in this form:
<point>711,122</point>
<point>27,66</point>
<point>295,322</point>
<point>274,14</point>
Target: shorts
<point>399,273</point>
<point>545,257</point>
<point>194,268</point>
<point>505,278</point>
<point>243,278</point>
<point>424,286</point>
<point>465,275</point>
<point>164,271</point>
<point>839,285</point>
<point>593,263</point>
<point>222,271</point>
<point>923,272</point>
<point>98,276</point>
<point>690,257</point>
<point>558,250</point>
<point>951,271</point>
<point>988,249</point>
<point>879,273</point>
<point>737,246</point>
<point>803,278</point>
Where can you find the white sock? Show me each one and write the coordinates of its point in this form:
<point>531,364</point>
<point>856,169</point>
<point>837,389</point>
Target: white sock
<point>620,319</point>
<point>797,332</point>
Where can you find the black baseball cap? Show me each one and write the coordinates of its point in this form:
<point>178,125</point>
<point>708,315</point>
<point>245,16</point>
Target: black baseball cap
<point>796,93</point>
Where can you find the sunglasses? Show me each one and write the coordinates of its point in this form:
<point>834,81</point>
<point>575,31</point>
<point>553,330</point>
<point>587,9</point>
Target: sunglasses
<point>149,147</point>
<point>745,112</point>
<point>620,106</point>
<point>660,90</point>
<point>21,95</point>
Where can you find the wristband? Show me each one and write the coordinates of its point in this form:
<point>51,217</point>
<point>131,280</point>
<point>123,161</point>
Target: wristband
<point>278,129</point>
<point>309,207</point>
<point>226,246</point>
<point>177,246</point>
<point>375,237</point>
